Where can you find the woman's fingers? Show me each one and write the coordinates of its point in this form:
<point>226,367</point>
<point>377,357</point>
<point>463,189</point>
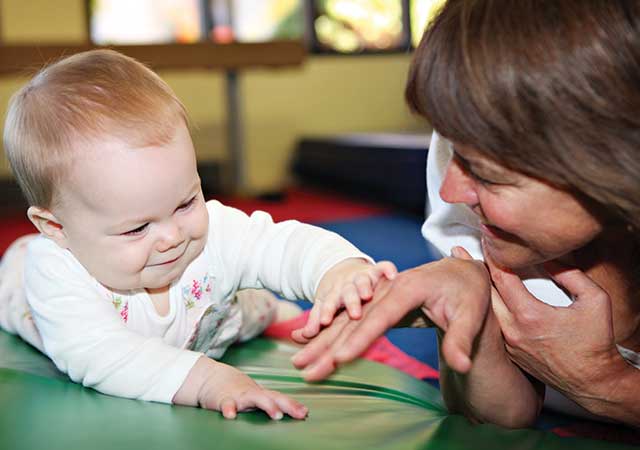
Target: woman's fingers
<point>576,282</point>
<point>321,343</point>
<point>514,295</point>
<point>320,369</point>
<point>376,320</point>
<point>461,253</point>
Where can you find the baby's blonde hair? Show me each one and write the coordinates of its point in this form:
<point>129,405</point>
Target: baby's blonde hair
<point>70,104</point>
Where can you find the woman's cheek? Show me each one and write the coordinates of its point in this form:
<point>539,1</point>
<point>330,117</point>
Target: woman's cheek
<point>499,214</point>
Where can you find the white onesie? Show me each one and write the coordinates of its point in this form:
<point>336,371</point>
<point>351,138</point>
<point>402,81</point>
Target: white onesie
<point>116,342</point>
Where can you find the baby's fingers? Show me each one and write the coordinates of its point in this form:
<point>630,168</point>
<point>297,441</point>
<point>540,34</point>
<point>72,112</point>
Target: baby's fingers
<point>311,328</point>
<point>329,307</point>
<point>383,268</point>
<point>228,408</point>
<point>364,286</point>
<point>289,406</point>
<point>352,302</point>
<point>261,399</point>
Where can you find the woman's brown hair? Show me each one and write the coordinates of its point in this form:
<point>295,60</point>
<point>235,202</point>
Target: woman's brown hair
<point>549,88</point>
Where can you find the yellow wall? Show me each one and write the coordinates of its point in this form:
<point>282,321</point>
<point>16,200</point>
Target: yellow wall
<point>326,95</point>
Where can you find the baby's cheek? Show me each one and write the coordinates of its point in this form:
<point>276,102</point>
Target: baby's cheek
<point>201,227</point>
<point>136,257</point>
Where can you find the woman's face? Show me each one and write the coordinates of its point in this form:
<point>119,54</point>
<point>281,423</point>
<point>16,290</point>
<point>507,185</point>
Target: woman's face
<point>524,221</point>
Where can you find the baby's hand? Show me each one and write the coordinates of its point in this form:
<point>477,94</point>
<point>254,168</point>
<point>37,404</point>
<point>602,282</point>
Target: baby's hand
<point>217,386</point>
<point>346,285</point>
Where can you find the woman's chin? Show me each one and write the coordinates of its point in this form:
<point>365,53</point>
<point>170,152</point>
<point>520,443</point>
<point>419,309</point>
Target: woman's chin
<point>513,257</point>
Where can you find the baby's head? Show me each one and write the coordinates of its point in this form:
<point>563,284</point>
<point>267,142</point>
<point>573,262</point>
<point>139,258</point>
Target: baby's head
<point>101,149</point>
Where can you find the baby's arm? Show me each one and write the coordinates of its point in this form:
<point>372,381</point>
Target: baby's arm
<point>85,336</point>
<point>218,386</point>
<point>288,257</point>
<point>347,284</point>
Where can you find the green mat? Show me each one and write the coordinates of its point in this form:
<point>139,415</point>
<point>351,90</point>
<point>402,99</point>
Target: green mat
<point>364,406</point>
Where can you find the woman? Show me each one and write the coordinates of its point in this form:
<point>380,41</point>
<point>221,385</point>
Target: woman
<point>540,101</point>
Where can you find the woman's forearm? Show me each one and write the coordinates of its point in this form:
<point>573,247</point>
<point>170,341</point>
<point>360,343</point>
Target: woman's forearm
<point>495,390</point>
<point>614,395</point>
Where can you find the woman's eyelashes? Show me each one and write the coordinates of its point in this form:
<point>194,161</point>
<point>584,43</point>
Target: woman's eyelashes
<point>467,168</point>
<point>481,179</point>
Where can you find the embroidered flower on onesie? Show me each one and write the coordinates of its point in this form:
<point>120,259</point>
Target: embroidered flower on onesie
<point>122,307</point>
<point>192,294</point>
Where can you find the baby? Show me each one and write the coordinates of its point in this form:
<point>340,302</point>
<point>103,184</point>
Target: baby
<point>130,288</point>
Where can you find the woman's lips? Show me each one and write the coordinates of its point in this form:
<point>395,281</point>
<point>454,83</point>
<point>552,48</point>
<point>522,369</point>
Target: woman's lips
<point>493,232</point>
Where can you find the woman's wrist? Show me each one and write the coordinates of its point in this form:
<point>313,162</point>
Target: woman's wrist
<point>495,390</point>
<point>614,394</point>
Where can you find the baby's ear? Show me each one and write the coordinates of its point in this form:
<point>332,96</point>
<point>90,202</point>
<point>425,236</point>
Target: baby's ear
<point>47,224</point>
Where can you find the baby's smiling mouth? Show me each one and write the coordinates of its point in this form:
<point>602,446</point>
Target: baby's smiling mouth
<point>169,261</point>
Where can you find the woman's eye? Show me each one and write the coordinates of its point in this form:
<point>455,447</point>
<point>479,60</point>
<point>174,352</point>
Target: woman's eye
<point>481,180</point>
<point>136,231</point>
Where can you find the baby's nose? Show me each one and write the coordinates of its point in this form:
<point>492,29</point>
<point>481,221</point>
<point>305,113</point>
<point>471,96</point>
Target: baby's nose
<point>170,237</point>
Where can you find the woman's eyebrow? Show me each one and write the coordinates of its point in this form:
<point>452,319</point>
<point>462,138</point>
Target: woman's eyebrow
<point>477,164</point>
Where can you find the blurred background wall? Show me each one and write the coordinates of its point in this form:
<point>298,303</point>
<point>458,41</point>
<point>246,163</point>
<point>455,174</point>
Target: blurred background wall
<point>327,94</point>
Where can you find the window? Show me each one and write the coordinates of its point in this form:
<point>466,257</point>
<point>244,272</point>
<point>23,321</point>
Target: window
<point>359,26</point>
<point>329,26</point>
<point>145,21</point>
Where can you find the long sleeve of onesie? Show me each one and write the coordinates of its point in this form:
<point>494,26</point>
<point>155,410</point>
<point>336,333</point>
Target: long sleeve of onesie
<point>288,257</point>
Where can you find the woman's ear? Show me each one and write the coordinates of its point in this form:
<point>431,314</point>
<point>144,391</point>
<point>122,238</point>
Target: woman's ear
<point>48,225</point>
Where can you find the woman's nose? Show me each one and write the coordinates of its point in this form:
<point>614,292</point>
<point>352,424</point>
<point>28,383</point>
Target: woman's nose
<point>458,186</point>
<point>170,236</point>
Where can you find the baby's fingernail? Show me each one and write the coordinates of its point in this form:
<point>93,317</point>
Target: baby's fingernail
<point>278,416</point>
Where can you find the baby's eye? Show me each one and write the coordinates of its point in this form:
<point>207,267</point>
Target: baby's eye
<point>136,231</point>
<point>187,204</point>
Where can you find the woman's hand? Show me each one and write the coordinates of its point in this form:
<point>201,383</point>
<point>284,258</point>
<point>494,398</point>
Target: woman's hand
<point>569,348</point>
<point>453,292</point>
